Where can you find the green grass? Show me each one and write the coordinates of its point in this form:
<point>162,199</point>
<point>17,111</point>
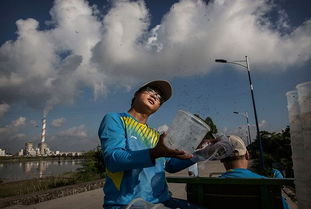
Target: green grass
<point>35,185</point>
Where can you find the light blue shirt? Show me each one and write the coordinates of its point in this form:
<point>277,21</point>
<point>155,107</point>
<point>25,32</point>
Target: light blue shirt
<point>245,173</point>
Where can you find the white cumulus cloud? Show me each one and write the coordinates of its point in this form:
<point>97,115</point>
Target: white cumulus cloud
<point>58,122</point>
<point>73,139</point>
<point>263,124</point>
<point>19,122</point>
<point>50,65</point>
<point>192,34</point>
<point>77,131</point>
<point>3,109</point>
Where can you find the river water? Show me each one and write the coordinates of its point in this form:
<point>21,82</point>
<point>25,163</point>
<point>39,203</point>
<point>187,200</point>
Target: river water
<point>14,171</point>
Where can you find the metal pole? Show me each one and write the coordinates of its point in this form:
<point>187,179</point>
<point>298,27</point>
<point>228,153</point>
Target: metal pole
<point>249,132</point>
<point>245,114</point>
<point>262,164</point>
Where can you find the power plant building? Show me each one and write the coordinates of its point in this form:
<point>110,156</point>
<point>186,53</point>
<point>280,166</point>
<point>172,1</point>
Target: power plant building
<point>2,152</point>
<point>42,149</point>
<point>29,150</point>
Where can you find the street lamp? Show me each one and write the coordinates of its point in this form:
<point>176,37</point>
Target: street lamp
<point>246,66</point>
<point>245,114</point>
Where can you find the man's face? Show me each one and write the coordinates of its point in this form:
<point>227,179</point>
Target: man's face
<point>149,98</point>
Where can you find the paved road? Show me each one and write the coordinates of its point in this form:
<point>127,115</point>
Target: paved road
<point>93,199</point>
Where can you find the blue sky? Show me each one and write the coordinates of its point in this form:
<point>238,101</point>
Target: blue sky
<point>79,62</point>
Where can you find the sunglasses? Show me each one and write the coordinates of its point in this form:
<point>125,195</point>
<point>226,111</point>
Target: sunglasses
<point>156,93</point>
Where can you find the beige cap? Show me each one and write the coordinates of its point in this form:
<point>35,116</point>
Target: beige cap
<point>238,144</point>
<point>164,86</point>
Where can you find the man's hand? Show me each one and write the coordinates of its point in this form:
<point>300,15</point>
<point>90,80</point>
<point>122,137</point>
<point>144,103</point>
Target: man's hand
<point>161,150</point>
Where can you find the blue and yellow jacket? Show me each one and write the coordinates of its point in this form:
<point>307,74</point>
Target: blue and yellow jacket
<point>130,171</point>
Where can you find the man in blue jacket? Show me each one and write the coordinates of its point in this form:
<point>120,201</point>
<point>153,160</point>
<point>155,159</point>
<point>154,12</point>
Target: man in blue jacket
<point>134,153</point>
<point>236,165</point>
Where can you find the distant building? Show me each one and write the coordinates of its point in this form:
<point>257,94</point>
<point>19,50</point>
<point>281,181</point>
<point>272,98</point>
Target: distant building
<point>72,154</point>
<point>42,149</point>
<point>21,152</point>
<point>29,150</point>
<point>2,152</point>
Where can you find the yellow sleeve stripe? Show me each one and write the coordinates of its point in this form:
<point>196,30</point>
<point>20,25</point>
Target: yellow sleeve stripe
<point>115,177</point>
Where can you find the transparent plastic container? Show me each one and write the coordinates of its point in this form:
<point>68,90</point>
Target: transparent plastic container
<point>297,145</point>
<point>297,139</point>
<point>304,100</point>
<point>220,150</point>
<point>186,132</point>
<point>139,203</point>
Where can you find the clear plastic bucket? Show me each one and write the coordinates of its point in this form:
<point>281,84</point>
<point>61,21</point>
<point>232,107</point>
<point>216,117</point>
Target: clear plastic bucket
<point>186,132</point>
<point>297,140</point>
<point>139,203</point>
<point>297,145</point>
<point>220,150</point>
<point>304,100</point>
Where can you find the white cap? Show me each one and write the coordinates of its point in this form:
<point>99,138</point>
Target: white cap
<point>238,145</point>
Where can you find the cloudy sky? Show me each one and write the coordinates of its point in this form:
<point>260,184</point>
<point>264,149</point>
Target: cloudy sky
<point>76,60</point>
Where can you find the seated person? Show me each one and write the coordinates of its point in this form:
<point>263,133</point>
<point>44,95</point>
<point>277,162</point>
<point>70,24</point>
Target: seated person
<point>236,165</point>
<point>277,170</point>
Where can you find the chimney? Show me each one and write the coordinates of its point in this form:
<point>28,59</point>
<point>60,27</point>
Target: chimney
<point>43,128</point>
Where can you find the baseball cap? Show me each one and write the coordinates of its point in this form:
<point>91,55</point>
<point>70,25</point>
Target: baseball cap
<point>238,145</point>
<point>163,86</point>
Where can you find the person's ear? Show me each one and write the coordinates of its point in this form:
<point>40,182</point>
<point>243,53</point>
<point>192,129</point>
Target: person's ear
<point>247,155</point>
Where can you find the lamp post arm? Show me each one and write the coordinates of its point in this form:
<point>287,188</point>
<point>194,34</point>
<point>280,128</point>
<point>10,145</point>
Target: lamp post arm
<point>236,63</point>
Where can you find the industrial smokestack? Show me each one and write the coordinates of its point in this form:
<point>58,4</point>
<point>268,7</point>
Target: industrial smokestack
<point>43,128</point>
